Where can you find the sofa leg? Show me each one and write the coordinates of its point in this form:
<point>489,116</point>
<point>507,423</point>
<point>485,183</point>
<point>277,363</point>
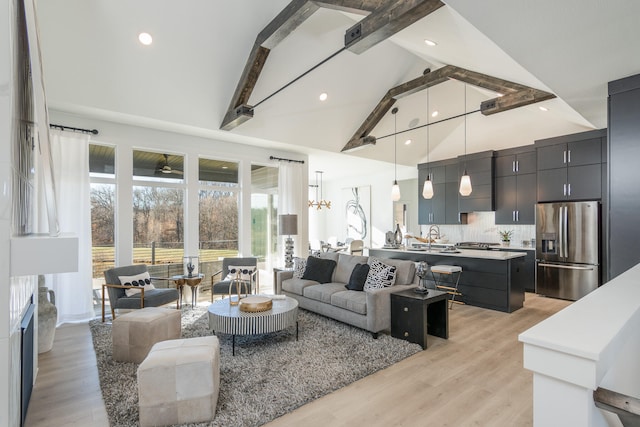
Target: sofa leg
<point>374,335</point>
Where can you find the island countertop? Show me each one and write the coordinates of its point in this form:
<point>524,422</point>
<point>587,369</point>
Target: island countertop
<point>498,255</point>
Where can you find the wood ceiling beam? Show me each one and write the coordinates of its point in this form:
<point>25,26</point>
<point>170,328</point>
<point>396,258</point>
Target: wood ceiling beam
<point>385,17</point>
<point>387,20</point>
<point>280,27</point>
<point>514,95</point>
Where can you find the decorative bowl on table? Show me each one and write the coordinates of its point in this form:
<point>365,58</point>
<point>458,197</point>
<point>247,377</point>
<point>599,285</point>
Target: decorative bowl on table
<point>255,304</point>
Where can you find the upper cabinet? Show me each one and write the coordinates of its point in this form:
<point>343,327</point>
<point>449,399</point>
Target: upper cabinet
<point>570,167</point>
<point>515,185</point>
<point>480,167</point>
<point>442,208</point>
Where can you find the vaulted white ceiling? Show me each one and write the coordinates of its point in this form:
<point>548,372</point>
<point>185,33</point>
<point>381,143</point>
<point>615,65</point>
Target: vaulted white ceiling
<point>184,81</point>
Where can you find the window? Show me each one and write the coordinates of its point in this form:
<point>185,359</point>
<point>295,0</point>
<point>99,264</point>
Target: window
<point>103,205</point>
<point>158,209</point>
<point>218,207</point>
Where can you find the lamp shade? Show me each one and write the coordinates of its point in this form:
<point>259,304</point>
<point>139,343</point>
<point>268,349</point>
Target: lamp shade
<point>288,224</point>
<point>427,189</point>
<point>395,191</point>
<point>465,185</point>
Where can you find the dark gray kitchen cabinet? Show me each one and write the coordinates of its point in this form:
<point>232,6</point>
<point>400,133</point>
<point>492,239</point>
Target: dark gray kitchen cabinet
<point>570,167</point>
<point>480,167</point>
<point>623,249</point>
<point>515,185</point>
<point>442,208</point>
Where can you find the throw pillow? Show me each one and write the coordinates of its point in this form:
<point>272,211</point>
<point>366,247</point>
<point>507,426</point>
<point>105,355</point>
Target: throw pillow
<point>299,264</point>
<point>246,271</point>
<point>358,277</point>
<point>319,269</point>
<point>142,280</point>
<point>380,275</point>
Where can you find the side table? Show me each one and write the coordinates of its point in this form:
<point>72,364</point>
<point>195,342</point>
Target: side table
<point>193,282</point>
<point>414,315</point>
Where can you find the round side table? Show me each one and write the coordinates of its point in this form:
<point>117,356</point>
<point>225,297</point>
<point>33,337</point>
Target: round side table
<point>193,282</point>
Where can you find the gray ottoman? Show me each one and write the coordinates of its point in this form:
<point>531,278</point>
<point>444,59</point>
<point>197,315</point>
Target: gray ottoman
<point>133,334</point>
<point>179,381</point>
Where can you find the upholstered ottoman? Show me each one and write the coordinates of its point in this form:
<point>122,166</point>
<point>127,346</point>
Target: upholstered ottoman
<point>133,334</point>
<point>179,382</point>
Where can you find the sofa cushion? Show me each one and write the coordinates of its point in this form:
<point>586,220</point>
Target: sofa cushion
<point>345,266</point>
<point>296,286</point>
<point>350,300</point>
<point>318,269</point>
<point>405,270</point>
<point>358,277</point>
<point>380,275</point>
<point>299,265</point>
<point>323,292</point>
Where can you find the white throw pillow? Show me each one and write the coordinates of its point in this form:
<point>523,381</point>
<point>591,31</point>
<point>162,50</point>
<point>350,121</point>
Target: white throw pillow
<point>299,265</point>
<point>142,280</point>
<point>246,271</point>
<point>380,275</point>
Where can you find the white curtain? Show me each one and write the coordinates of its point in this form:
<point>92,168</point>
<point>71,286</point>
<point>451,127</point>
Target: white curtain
<point>292,199</point>
<point>70,161</point>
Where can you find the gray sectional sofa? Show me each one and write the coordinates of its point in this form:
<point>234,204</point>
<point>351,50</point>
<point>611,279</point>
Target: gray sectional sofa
<point>369,310</point>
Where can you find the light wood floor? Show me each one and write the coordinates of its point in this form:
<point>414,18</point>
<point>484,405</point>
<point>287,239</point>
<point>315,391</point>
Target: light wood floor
<point>475,378</point>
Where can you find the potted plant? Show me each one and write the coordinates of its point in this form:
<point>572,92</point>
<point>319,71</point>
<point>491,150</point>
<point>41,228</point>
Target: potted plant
<point>505,236</point>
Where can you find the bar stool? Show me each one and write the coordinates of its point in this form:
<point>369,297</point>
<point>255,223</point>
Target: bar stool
<point>449,270</point>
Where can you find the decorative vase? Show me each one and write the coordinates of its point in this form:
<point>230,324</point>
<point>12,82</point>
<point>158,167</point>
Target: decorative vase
<point>47,318</point>
<point>397,237</point>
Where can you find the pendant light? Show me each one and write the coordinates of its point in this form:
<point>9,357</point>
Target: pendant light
<point>465,181</point>
<point>395,189</point>
<point>427,188</point>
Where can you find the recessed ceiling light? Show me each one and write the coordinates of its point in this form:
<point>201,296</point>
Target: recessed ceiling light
<point>499,94</point>
<point>407,142</point>
<point>435,113</point>
<point>430,42</point>
<point>543,108</point>
<point>145,38</point>
<point>323,96</point>
<point>225,167</point>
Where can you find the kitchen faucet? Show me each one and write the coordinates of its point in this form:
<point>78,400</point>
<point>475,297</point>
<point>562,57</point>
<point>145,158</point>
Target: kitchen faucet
<point>434,229</point>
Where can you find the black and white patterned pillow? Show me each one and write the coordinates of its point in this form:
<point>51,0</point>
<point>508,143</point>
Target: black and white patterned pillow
<point>299,264</point>
<point>380,275</point>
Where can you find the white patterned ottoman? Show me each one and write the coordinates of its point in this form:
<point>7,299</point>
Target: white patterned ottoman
<point>179,382</point>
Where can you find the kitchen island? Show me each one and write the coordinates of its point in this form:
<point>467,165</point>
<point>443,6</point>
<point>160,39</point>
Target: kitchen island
<point>490,279</point>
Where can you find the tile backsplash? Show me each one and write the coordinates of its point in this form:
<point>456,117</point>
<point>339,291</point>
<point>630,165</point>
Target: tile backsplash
<point>481,227</point>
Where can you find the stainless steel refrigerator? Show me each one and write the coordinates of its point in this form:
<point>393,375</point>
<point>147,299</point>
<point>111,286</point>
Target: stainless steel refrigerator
<point>567,249</point>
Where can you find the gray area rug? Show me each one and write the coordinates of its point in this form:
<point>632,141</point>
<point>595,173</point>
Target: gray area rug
<point>270,375</point>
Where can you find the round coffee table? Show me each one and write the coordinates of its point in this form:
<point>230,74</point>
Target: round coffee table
<point>229,319</point>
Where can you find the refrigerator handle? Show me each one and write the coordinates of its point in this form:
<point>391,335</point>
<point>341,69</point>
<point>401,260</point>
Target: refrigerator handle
<point>565,242</point>
<point>561,232</point>
<point>567,267</point>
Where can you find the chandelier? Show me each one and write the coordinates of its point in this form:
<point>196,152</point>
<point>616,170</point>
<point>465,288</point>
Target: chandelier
<point>319,202</point>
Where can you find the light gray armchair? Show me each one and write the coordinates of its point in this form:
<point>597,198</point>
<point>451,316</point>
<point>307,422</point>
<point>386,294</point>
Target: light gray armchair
<point>220,286</point>
<point>118,299</point>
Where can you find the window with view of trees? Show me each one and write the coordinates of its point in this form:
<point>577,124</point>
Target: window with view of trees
<point>103,204</point>
<point>218,209</point>
<point>158,208</point>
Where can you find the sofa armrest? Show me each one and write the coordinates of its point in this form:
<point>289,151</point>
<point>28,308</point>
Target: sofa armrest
<point>280,276</point>
<point>379,307</point>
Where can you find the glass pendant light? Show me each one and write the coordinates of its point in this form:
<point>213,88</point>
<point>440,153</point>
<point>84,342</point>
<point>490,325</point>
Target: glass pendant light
<point>427,188</point>
<point>395,189</point>
<point>465,181</point>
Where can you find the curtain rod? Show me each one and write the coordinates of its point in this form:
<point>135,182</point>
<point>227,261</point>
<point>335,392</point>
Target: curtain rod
<point>81,130</point>
<point>285,160</point>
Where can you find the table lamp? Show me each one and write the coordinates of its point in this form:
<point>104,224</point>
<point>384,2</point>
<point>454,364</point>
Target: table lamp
<point>288,227</point>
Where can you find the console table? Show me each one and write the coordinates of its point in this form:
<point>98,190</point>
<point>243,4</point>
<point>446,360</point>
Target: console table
<point>413,315</point>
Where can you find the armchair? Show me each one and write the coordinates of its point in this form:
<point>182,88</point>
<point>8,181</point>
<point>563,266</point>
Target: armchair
<point>118,298</point>
<point>220,286</point>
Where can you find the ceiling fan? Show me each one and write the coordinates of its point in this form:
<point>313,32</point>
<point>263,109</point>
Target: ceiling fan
<point>165,168</point>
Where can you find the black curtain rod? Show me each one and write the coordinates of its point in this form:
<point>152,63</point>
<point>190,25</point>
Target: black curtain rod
<point>428,124</point>
<point>81,130</point>
<point>285,160</point>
